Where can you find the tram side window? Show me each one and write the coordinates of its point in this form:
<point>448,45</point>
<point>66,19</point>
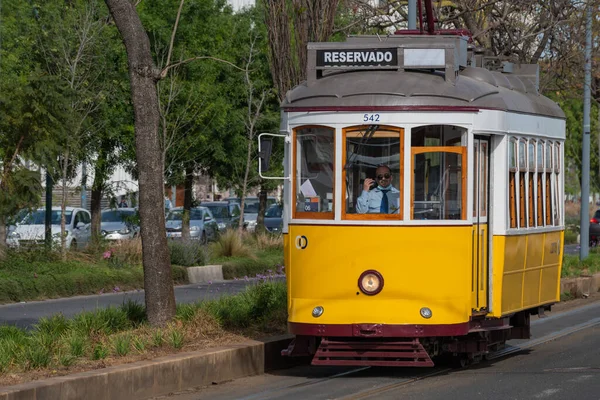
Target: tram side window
<point>512,182</point>
<point>439,181</point>
<point>373,169</point>
<point>548,182</point>
<point>557,195</point>
<point>530,180</point>
<point>522,176</point>
<point>314,172</point>
<point>539,187</point>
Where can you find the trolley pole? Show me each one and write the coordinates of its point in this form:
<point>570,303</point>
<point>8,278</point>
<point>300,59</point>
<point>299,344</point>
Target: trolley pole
<point>585,164</point>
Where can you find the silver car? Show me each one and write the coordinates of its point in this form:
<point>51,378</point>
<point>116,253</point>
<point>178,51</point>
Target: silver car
<point>119,224</point>
<point>31,230</point>
<point>203,225</point>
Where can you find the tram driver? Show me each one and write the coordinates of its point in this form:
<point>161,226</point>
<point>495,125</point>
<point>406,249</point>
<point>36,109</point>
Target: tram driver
<point>378,195</point>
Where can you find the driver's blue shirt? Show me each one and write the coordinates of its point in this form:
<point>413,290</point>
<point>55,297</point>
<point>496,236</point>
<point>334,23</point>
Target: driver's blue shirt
<point>370,202</point>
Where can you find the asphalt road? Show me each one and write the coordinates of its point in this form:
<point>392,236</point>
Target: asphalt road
<point>26,314</point>
<point>561,361</point>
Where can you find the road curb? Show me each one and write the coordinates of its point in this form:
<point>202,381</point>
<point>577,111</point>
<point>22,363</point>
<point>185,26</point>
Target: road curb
<point>582,286</point>
<point>160,376</point>
<point>205,273</point>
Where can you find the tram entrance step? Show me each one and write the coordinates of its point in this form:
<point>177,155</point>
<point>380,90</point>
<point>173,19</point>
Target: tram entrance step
<point>409,353</point>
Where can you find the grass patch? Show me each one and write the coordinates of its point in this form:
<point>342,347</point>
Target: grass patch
<point>573,267</point>
<point>35,275</point>
<point>117,332</point>
<point>267,262</point>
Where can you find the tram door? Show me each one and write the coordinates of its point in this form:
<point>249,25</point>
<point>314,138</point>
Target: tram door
<point>479,277</point>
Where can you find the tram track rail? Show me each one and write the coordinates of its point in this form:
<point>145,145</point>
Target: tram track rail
<point>373,392</point>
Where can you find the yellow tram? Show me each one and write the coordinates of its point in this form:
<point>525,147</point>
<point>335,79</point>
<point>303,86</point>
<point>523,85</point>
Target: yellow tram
<point>470,242</point>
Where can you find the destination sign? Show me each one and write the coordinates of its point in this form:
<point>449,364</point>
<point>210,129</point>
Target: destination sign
<point>359,57</point>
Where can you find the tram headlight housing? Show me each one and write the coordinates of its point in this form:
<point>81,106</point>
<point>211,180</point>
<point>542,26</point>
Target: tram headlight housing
<point>370,282</point>
<point>317,311</point>
<point>426,312</point>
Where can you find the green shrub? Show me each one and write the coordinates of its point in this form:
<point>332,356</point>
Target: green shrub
<point>570,237</point>
<point>100,352</point>
<point>187,253</point>
<point>176,339</point>
<point>122,344</point>
<point>266,263</point>
<point>136,312</point>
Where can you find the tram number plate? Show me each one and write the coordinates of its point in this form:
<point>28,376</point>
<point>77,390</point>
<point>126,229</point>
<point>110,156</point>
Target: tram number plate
<point>371,118</point>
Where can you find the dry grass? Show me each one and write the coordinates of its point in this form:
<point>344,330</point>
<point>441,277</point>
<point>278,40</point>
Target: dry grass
<point>267,241</point>
<point>232,243</point>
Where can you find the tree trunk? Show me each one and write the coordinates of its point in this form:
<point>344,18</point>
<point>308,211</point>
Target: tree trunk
<point>262,208</point>
<point>2,237</point>
<point>187,202</point>
<point>96,209</point>
<point>158,280</point>
<point>63,206</point>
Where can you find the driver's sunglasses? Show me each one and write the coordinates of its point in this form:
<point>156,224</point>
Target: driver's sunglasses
<point>386,176</point>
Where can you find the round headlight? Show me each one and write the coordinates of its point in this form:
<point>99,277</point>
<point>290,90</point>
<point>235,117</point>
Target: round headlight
<point>370,282</point>
<point>103,233</point>
<point>426,312</point>
<point>317,311</point>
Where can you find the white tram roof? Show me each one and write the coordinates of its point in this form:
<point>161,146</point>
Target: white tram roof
<point>392,78</point>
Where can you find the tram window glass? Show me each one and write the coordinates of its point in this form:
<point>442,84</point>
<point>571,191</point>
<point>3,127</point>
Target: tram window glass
<point>556,197</point>
<point>547,181</point>
<point>368,148</point>
<point>314,172</point>
<point>512,190</point>
<point>530,180</point>
<point>539,188</point>
<point>439,181</point>
<point>522,176</point>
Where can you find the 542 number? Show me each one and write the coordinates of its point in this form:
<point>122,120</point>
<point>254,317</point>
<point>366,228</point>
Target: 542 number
<point>371,118</point>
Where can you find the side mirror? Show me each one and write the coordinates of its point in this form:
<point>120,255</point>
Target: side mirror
<point>207,218</point>
<point>264,153</point>
<point>80,225</point>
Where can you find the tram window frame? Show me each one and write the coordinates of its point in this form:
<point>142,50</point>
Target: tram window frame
<point>530,179</point>
<point>540,146</point>
<point>548,183</point>
<point>522,157</point>
<point>556,197</point>
<point>512,181</point>
<point>381,131</point>
<point>324,215</point>
<point>451,139</point>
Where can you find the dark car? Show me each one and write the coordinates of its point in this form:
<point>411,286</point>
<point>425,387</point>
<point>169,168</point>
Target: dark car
<point>274,219</point>
<point>227,214</point>
<point>595,229</point>
<point>251,209</point>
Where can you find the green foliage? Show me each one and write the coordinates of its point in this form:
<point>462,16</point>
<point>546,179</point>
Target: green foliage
<point>264,304</point>
<point>158,338</point>
<point>573,267</point>
<point>573,109</point>
<point>100,351</point>
<point>122,344</point>
<point>187,253</point>
<point>266,262</point>
<point>176,339</point>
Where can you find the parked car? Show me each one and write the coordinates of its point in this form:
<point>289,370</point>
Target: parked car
<point>274,218</point>
<point>119,223</point>
<point>203,225</point>
<point>225,213</point>
<point>595,229</point>
<point>13,220</point>
<point>251,209</point>
<point>30,231</point>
